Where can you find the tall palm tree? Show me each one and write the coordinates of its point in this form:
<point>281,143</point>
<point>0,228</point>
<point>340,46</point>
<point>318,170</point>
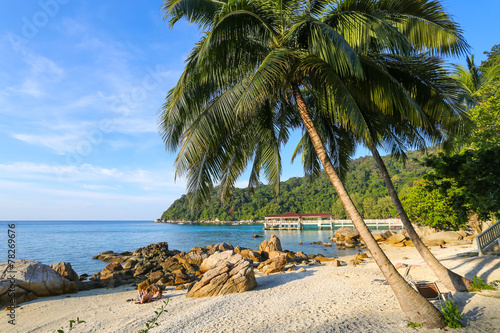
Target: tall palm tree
<point>434,97</point>
<point>235,102</point>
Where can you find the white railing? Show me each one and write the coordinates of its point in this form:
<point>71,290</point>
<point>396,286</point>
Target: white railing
<point>335,223</point>
<point>488,238</point>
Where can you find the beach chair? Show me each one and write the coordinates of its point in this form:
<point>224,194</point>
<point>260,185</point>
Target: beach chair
<point>431,292</point>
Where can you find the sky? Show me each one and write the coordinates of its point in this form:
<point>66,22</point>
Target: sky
<point>81,87</point>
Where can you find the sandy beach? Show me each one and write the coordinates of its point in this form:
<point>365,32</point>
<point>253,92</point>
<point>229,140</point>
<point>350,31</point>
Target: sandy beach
<point>321,299</point>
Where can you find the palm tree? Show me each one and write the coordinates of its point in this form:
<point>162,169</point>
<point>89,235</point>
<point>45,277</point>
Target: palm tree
<point>472,79</point>
<point>240,92</point>
<point>433,98</point>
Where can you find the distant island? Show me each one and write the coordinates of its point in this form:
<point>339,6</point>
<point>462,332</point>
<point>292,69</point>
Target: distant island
<point>304,195</point>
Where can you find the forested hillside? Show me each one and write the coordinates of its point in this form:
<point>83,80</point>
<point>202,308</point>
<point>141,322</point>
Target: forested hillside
<point>303,195</point>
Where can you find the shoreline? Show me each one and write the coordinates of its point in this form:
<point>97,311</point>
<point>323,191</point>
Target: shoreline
<point>321,299</point>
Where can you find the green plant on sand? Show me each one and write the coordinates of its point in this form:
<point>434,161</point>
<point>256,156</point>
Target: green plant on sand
<point>479,284</point>
<point>451,315</point>
<point>414,325</point>
<point>71,322</point>
<point>153,321</point>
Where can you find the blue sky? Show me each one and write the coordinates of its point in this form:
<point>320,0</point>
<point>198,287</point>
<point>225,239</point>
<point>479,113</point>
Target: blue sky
<point>81,86</point>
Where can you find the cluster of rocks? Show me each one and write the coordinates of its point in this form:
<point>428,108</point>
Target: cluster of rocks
<point>212,270</point>
<point>349,238</point>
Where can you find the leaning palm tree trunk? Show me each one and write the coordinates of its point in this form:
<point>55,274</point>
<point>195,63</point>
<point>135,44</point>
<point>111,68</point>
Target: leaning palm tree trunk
<point>449,279</point>
<point>414,305</point>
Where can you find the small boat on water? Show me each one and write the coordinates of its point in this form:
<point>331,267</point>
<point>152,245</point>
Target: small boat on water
<point>235,223</point>
<point>180,223</point>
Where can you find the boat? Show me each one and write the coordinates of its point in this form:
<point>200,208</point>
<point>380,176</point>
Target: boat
<point>235,223</point>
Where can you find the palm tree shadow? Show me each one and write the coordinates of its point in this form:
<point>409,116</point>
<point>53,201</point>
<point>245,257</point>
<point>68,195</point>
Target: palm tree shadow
<point>274,280</point>
<point>479,263</point>
<point>468,318</point>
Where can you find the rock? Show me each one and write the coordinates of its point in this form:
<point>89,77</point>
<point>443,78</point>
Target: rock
<point>327,244</point>
<point>130,263</point>
<point>408,243</point>
<point>143,268</point>
<point>274,254</point>
<point>361,256</point>
<point>398,244</point>
<point>353,262</point>
<point>394,239</point>
<point>290,269</point>
<point>300,243</point>
<point>194,256</point>
<point>346,233</point>
<point>32,279</point>
<point>273,244</point>
<point>252,255</point>
<point>227,256</point>
<point>65,269</point>
<point>182,278</point>
<point>225,278</point>
<point>300,270</point>
<point>274,265</point>
<point>447,237</point>
<point>180,287</point>
<point>300,256</point>
<point>219,247</point>
<point>159,250</point>
<point>113,267</point>
<point>334,263</point>
<point>381,235</point>
<point>322,259</point>
<point>256,236</point>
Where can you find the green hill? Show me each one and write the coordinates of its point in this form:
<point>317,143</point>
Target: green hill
<point>303,195</point>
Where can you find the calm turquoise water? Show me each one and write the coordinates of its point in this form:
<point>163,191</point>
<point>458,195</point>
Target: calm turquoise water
<point>78,241</point>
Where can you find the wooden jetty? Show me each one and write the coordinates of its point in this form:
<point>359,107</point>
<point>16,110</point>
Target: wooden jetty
<point>294,221</point>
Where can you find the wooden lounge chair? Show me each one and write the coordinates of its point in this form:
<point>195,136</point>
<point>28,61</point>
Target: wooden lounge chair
<point>431,292</point>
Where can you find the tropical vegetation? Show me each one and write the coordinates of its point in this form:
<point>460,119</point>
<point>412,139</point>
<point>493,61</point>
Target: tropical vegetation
<point>334,69</point>
<point>310,195</point>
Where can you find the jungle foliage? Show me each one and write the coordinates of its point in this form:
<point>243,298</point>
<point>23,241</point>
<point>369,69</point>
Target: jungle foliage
<point>304,195</point>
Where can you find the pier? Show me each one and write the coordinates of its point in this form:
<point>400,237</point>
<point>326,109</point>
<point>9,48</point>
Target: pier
<point>294,221</point>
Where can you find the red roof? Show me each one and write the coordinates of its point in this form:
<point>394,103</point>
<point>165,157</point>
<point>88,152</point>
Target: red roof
<point>307,215</point>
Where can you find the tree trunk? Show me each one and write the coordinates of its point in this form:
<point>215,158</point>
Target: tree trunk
<point>449,279</point>
<point>416,308</point>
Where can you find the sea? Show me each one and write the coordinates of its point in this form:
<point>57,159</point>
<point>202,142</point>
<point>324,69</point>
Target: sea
<point>77,242</point>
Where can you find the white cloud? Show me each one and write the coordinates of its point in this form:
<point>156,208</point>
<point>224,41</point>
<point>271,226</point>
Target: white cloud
<point>97,176</point>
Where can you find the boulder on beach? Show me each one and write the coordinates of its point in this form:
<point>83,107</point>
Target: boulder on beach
<point>443,237</point>
<point>381,235</point>
<point>158,250</point>
<point>32,279</point>
<point>273,244</point>
<point>227,256</point>
<point>395,239</point>
<point>219,247</point>
<point>274,265</point>
<point>65,269</point>
<point>346,233</point>
<point>225,278</point>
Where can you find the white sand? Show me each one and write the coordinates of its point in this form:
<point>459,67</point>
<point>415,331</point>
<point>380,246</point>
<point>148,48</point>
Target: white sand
<point>322,299</point>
